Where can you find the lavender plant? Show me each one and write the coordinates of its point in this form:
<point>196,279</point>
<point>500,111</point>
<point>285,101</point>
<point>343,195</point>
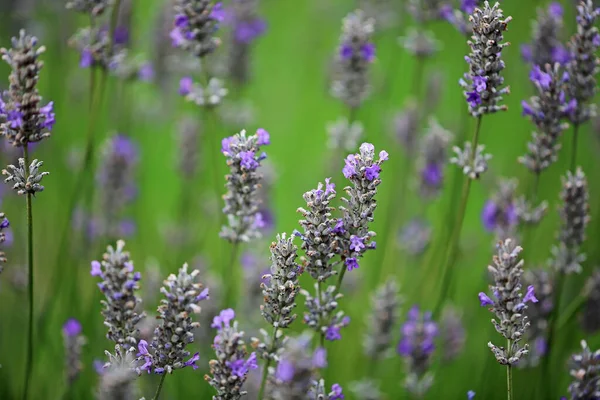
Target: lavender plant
<point>582,69</point>
<point>382,320</point>
<point>538,314</point>
<point>74,342</point>
<point>119,374</point>
<point>431,163</point>
<point>585,370</point>
<point>546,46</point>
<point>509,306</point>
<point>25,121</point>
<point>591,293</point>
<point>416,346</point>
<point>452,334</point>
<point>232,364</point>
<point>499,214</point>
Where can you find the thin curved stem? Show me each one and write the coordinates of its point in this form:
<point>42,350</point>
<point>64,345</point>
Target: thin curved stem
<point>265,373</point>
<point>28,198</point>
<point>160,385</point>
<point>574,147</point>
<point>509,378</point>
<point>570,312</point>
<point>232,273</point>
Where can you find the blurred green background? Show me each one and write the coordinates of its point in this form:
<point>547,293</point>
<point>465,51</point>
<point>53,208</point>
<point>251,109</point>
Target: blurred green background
<point>290,98</point>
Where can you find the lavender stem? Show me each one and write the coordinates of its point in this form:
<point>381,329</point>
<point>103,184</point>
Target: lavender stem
<point>322,335</point>
<point>455,237</point>
<point>29,364</point>
<point>160,385</point>
<point>265,373</point>
<point>574,147</point>
<point>509,379</point>
<point>231,273</point>
<point>570,311</point>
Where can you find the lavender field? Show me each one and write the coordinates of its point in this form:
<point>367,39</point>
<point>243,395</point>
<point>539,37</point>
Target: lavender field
<point>299,199</point>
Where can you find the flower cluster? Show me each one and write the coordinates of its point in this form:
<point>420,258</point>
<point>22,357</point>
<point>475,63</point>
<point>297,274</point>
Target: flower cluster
<point>546,46</point>
<point>425,11</point>
<point>196,22</point>
<point>343,134</point>
<point>575,216</point>
<point>23,118</point>
<point>119,283</point>
<point>434,150</point>
<point>241,200</point>
<point>209,95</point>
<point>546,110</point>
<point>459,17</point>
<point>98,49</point>
<point>509,305</point>
<point>483,84</point>
<point>354,236</point>
<point>318,391</point>
<point>539,313</point>
<point>4,224</point>
<point>74,341</point>
<point>499,214</point>
<point>452,335</point>
<point>472,165</point>
<point>26,179</point>
<point>118,375</point>
<point>321,316</point>
<point>281,286</point>
<point>382,320</point>
<point>417,345</point>
<point>168,349</point>
<point>585,64</point>
<point>319,236</point>
<point>356,53</point>
<point>232,364</point>
<point>116,181</point>
<point>585,370</point>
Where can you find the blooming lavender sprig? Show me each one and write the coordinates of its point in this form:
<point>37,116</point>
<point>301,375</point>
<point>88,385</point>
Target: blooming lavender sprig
<point>119,374</point>
<point>382,320</point>
<point>196,22</point>
<point>209,95</point>
<point>24,120</point>
<point>321,315</point>
<point>26,179</point>
<point>318,239</point>
<point>116,180</point>
<point>499,214</point>
<point>295,373</point>
<point>281,287</point>
<point>318,391</point>
<point>232,364</point>
<point>100,48</point>
<point>459,17</point>
<point>424,11</point>
<point>431,163</point>
<point>590,320</point>
<point>510,304</point>
<point>529,213</point>
<point>119,284</point>
<point>241,200</point>
<point>472,165</point>
<point>419,43</point>
<point>246,27</point>
<point>585,370</point>
<point>453,336</point>
<point>483,85</point>
<point>343,134</point>
<point>4,224</point>
<point>546,46</point>
<point>366,389</point>
<point>585,64</point>
<point>405,125</point>
<point>546,111</point>
<point>539,313</point>
<point>417,345</point>
<point>363,172</point>
<point>356,53</point>
<point>168,349</point>
<point>575,216</point>
<point>74,342</point>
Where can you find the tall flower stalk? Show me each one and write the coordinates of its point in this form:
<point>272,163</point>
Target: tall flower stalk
<point>483,89</point>
<point>25,121</point>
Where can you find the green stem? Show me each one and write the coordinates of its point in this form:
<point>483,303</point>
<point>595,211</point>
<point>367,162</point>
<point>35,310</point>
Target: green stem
<point>321,334</point>
<point>552,319</point>
<point>574,147</point>
<point>338,285</point>
<point>265,373</point>
<point>29,362</point>
<point>509,378</point>
<point>570,312</point>
<point>160,385</point>
<point>230,274</point>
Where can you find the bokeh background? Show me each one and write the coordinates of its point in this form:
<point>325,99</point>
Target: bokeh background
<point>287,94</point>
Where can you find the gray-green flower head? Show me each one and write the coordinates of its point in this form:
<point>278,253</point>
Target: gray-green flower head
<point>26,180</point>
<point>209,95</point>
<point>381,321</point>
<point>538,313</point>
<point>472,166</point>
<point>419,43</point>
<point>343,134</point>
<point>585,370</point>
<point>118,378</point>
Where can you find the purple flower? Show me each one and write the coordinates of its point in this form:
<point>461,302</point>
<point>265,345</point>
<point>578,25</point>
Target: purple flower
<point>473,98</point>
<point>527,109</point>
<point>357,243</point>
<point>146,72</point>
<point>203,295</point>
<point>96,269</point>
<point>336,392</point>
<point>142,348</point>
<point>177,38</point>
<point>333,333</point>
<point>492,215</point>
<point>539,77</point>
<point>72,327</point>
<point>192,361</point>
<point>87,59</point>
<point>526,52</point>
<point>556,10</point>
<point>4,224</point>
<point>346,51</point>
<point>470,395</point>
<point>223,319</point>
<point>367,52</point>
<point>561,55</point>
<point>372,172</point>
<point>418,334</point>
<point>263,137</point>
<point>319,359</point>
<point>247,160</point>
<point>226,145</point>
<point>432,174</point>
<point>247,31</point>
<point>484,300</point>
<point>218,13</point>
<point>383,155</point>
<point>185,85</point>
<point>339,227</point>
<point>48,113</point>
<point>329,187</point>
<point>479,83</point>
<point>530,295</point>
<point>349,169</point>
<point>351,263</point>
<point>285,370</point>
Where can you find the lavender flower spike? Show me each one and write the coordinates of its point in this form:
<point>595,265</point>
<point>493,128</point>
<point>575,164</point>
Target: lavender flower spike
<point>74,341</point>
<point>584,370</point>
<point>546,110</point>
<point>434,150</point>
<point>483,84</point>
<point>539,313</point>
<point>590,320</point>
<point>241,200</point>
<point>382,320</point>
<point>356,53</point>
<point>232,364</point>
<point>509,304</point>
<point>546,46</point>
<point>119,283</point>
<point>23,118</point>
<point>26,178</point>
<point>167,351</point>
<point>585,64</point>
<point>575,216</point>
<point>119,374</point>
<point>196,22</point>
<point>417,346</point>
<point>363,171</point>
